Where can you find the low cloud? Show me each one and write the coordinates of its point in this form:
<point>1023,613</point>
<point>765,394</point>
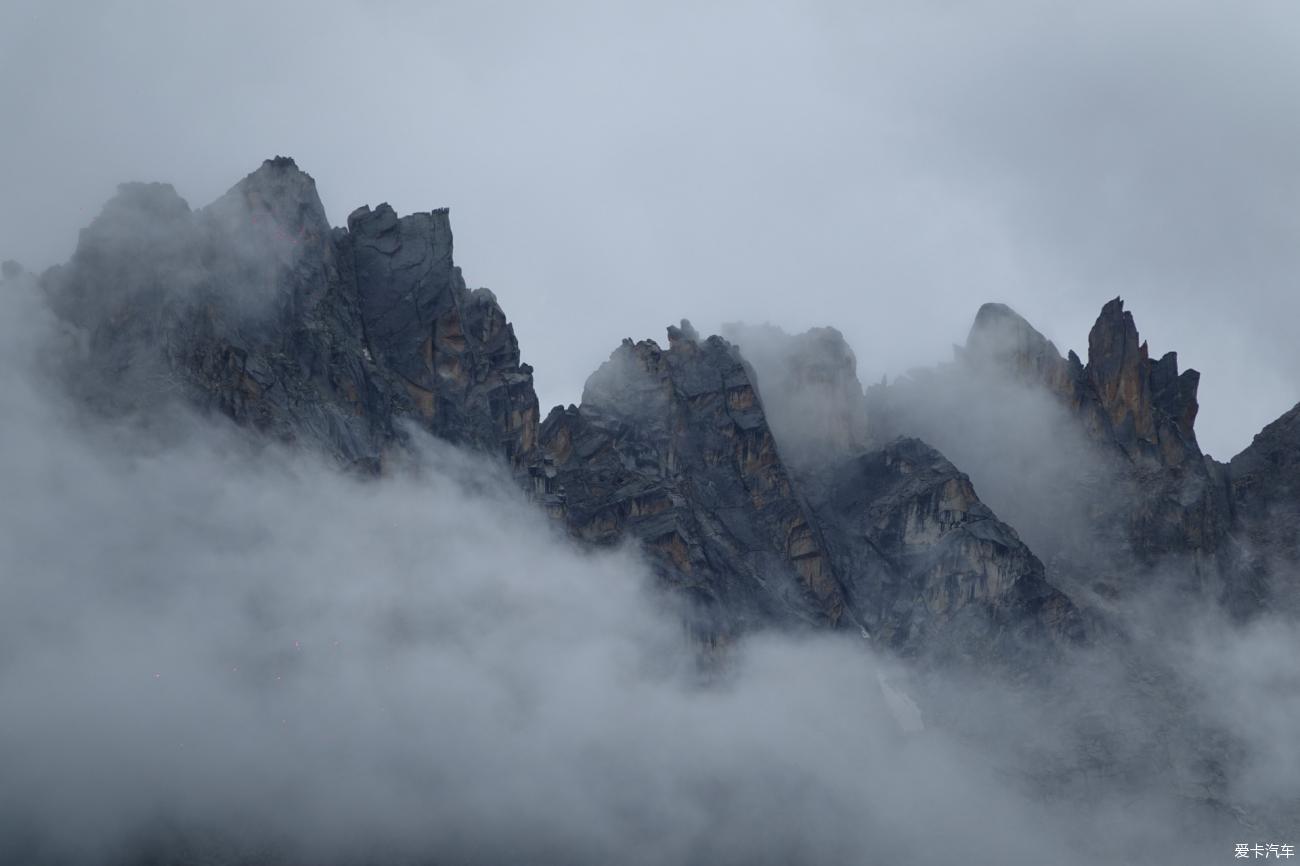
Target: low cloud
<point>232,652</point>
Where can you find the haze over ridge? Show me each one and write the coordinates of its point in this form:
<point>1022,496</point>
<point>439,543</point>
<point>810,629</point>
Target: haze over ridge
<point>881,170</point>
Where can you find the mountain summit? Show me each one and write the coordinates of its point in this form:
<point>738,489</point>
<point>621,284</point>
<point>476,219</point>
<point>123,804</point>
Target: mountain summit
<point>990,517</point>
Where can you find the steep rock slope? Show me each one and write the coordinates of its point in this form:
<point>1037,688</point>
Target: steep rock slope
<point>255,307</point>
<point>927,564</point>
<point>675,448</point>
<point>811,391</point>
<point>1265,479</point>
<point>924,562</point>
<point>1096,463</point>
<point>339,338</point>
<point>671,447</point>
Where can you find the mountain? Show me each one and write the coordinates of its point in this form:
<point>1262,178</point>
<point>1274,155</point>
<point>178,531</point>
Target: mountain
<point>1098,465</point>
<point>1264,484</point>
<point>344,339</point>
<point>673,447</point>
<point>254,307</point>
<point>1012,517</point>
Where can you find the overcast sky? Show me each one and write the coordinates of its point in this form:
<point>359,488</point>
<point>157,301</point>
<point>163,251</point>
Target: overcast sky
<point>884,168</point>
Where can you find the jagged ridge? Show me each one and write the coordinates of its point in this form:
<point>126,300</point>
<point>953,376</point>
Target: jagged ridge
<point>255,307</point>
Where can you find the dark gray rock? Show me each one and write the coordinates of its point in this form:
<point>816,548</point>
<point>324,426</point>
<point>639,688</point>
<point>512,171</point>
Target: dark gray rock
<point>256,308</point>
<point>1265,488</point>
<point>671,448</point>
<point>1097,465</point>
<point>928,568</point>
<point>675,449</point>
<point>452,349</point>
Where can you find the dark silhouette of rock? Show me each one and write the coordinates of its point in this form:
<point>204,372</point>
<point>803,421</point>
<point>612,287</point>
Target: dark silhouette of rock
<point>928,568</point>
<point>675,448</point>
<point>255,307</point>
<point>769,494</point>
<point>452,350</point>
<point>1096,464</point>
<point>1265,485</point>
<point>766,488</point>
<point>671,447</point>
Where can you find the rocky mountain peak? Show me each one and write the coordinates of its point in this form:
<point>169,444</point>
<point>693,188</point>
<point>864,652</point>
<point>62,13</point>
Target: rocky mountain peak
<point>139,248</point>
<point>1119,370</point>
<point>256,307</point>
<point>810,391</point>
<point>671,447</point>
<point>999,330</point>
<point>150,218</point>
<point>1003,340</point>
<point>686,333</point>
<point>1150,407</point>
<point>280,192</point>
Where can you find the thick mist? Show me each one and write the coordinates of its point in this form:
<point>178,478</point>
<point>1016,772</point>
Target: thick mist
<point>215,650</point>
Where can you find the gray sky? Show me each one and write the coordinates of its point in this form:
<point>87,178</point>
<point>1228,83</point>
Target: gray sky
<point>884,168</point>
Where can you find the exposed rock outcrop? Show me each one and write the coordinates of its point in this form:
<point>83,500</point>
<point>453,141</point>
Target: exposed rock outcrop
<point>677,449</point>
<point>254,306</point>
<point>671,447</point>
<point>756,488</point>
<point>928,567</point>
<point>1265,486</point>
<point>1097,464</point>
<point>1150,407</point>
<point>1001,339</point>
<point>765,487</point>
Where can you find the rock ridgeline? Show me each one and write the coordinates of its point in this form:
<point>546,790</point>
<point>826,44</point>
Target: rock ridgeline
<point>255,307</point>
<point>673,447</point>
<point>1105,456</point>
<point>765,486</point>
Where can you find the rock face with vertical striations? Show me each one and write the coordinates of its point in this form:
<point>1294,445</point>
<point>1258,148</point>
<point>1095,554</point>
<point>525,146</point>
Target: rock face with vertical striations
<point>670,447</point>
<point>1149,406</point>
<point>765,485</point>
<point>452,350</point>
<point>256,308</point>
<point>679,450</point>
<point>1097,464</point>
<point>766,489</point>
<point>926,566</point>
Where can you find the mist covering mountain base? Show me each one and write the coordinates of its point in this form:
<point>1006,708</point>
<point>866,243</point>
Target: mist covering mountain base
<point>294,571</point>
